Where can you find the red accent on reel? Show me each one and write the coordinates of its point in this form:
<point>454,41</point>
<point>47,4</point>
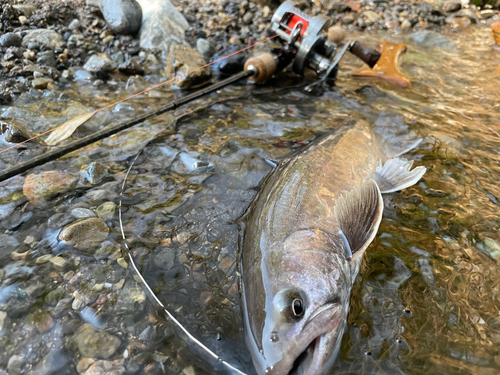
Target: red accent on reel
<point>296,19</point>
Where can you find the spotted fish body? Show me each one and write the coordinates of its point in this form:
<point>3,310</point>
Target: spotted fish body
<point>304,240</point>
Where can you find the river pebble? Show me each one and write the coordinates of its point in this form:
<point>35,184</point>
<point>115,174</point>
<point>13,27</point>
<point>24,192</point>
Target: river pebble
<point>81,213</point>
<point>45,37</point>
<point>10,40</point>
<point>84,234</point>
<point>94,343</point>
<point>106,368</point>
<point>99,64</point>
<point>106,211</point>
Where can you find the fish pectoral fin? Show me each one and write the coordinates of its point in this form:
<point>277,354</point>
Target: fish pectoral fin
<point>359,213</point>
<point>395,175</point>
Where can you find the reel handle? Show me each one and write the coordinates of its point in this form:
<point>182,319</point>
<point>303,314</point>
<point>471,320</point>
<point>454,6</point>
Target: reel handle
<point>367,55</point>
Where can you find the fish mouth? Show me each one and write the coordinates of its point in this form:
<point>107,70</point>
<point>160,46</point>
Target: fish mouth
<point>318,353</point>
<point>303,363</point>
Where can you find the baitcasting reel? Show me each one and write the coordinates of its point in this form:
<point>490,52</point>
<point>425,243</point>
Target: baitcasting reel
<point>304,41</point>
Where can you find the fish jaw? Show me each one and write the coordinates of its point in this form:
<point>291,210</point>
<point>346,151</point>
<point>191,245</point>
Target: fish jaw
<point>316,346</point>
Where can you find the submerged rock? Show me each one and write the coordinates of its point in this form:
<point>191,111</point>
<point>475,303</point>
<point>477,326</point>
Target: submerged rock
<point>52,363</point>
<point>93,343</point>
<point>94,173</point>
<point>162,25</point>
<point>105,368</point>
<point>123,16</point>
<point>45,37</point>
<point>84,234</point>
<point>38,187</point>
<point>106,211</point>
<point>426,38</point>
<point>183,63</point>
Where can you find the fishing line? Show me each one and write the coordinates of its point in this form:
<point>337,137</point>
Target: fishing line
<point>142,92</point>
<point>188,337</point>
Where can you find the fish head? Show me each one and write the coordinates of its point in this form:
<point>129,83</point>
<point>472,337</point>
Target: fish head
<point>307,287</point>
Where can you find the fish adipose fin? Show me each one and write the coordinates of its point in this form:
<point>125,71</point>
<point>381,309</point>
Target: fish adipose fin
<point>359,213</point>
<point>396,175</point>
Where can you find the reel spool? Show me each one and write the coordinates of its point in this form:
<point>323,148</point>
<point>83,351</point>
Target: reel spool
<point>301,35</point>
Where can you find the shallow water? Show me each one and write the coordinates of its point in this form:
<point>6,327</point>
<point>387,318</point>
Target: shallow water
<point>427,299</point>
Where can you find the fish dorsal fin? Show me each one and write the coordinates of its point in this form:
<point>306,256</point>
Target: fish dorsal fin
<point>396,175</point>
<point>359,213</point>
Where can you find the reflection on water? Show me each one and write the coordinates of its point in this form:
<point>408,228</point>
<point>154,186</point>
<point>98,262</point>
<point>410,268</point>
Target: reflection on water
<point>428,296</point>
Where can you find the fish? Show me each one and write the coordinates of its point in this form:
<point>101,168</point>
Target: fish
<point>304,239</point>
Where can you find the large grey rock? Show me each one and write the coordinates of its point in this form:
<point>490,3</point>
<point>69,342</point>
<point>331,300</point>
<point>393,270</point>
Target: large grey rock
<point>45,37</point>
<point>123,16</point>
<point>426,38</point>
<point>162,25</point>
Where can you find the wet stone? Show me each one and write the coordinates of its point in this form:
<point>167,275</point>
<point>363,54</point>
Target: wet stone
<point>44,259</point>
<point>205,49</point>
<point>81,213</point>
<point>162,25</point>
<point>123,16</point>
<point>451,6</point>
<point>131,67</point>
<point>84,234</point>
<point>38,187</point>
<point>426,38</point>
<point>60,220</point>
<point>106,211</point>
<point>52,363</point>
<point>75,24</point>
<point>45,37</point>
<point>10,40</point>
<point>47,58</point>
<point>93,343</point>
<point>43,321</point>
<point>59,263</point>
<point>41,83</point>
<point>16,363</point>
<point>105,368</point>
<point>3,319</point>
<point>84,364</point>
<point>99,64</point>
<point>94,173</point>
<point>26,10</point>
<point>182,62</point>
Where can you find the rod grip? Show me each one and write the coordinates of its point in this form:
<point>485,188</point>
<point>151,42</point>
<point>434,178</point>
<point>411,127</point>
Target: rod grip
<point>367,55</point>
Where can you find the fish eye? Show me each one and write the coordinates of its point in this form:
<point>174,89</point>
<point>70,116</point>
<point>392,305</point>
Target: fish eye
<point>290,305</point>
<point>297,307</point>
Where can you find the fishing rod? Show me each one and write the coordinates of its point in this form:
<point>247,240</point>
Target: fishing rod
<point>302,42</point>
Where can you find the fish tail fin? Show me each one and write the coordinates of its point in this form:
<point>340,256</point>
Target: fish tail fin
<point>395,175</point>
